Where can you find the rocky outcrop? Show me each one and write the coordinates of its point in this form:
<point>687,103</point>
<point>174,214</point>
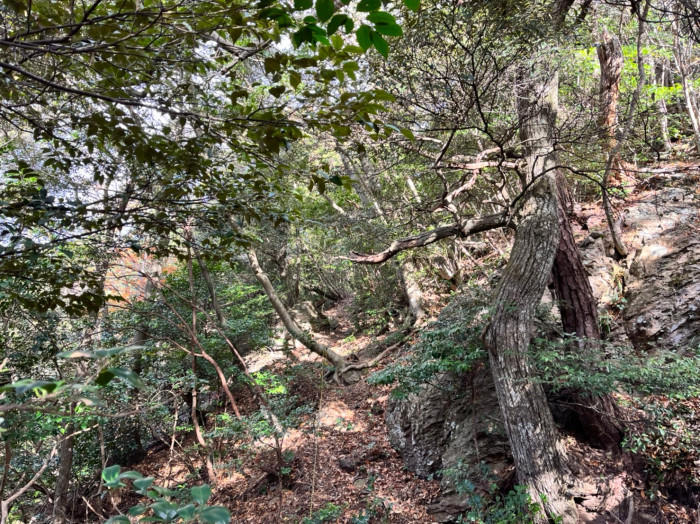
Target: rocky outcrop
<point>452,425</point>
<point>663,283</point>
<point>452,428</point>
<point>654,294</point>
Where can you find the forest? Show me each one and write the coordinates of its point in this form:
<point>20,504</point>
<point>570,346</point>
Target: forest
<point>373,261</point>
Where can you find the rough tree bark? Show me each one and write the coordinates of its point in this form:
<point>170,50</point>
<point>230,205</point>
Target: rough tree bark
<point>539,459</point>
<point>610,58</point>
<point>579,315</point>
<point>613,154</point>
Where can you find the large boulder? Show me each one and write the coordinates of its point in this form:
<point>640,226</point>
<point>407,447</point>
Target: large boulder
<point>451,426</point>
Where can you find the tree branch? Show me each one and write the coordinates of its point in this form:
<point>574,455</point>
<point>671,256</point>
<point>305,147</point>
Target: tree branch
<point>463,229</point>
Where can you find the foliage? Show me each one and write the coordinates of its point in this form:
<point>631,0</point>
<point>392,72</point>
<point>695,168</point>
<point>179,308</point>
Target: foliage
<point>452,344</point>
<point>327,513</point>
<point>487,503</point>
<point>168,505</point>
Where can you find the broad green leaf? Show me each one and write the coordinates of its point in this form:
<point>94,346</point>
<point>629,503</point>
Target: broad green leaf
<point>164,510</point>
<point>277,91</point>
<point>215,515</point>
<point>127,375</point>
<point>381,17</point>
<point>380,44</point>
<point>324,9</point>
<point>118,519</point>
<point>302,5</point>
<point>335,23</point>
<point>186,512</point>
<point>104,378</point>
<point>110,476</point>
<point>408,133</point>
<point>389,30</point>
<point>141,485</point>
<point>131,475</point>
<point>369,5</point>
<point>139,509</point>
<point>200,494</point>
<point>294,79</point>
<point>364,37</point>
<point>413,5</point>
<point>37,386</point>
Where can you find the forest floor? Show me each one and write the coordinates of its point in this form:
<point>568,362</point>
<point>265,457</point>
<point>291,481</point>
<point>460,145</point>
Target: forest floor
<point>341,467</point>
<point>341,464</point>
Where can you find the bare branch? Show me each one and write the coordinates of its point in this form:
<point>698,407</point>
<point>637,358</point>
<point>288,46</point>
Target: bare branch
<point>463,229</point>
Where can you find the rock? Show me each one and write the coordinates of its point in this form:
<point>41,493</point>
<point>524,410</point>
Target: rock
<point>452,427</point>
<point>663,304</point>
<point>348,463</point>
<point>658,287</point>
<point>663,285</point>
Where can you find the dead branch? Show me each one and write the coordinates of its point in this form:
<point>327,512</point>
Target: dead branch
<point>463,229</point>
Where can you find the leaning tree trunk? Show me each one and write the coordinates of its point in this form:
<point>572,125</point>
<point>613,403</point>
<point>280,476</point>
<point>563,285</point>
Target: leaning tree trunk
<point>293,328</point>
<point>539,460</point>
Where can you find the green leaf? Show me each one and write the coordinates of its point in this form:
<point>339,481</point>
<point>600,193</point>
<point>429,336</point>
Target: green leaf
<point>277,91</point>
<point>294,79</point>
<point>382,17</point>
<point>335,23</point>
<point>369,5</point>
<point>380,44</point>
<point>141,485</point>
<point>104,378</point>
<point>408,133</point>
<point>302,5</point>
<point>37,386</point>
<point>385,23</point>
<point>215,515</point>
<point>127,375</point>
<point>110,476</point>
<point>186,512</point>
<point>324,9</point>
<point>364,37</point>
<point>413,5</point>
<point>271,64</point>
<point>118,519</point>
<point>131,475</point>
<point>389,30</point>
<point>164,510</point>
<point>139,509</point>
<point>200,494</point>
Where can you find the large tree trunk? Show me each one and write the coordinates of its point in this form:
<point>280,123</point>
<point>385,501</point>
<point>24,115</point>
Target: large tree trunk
<point>610,59</point>
<point>539,460</point>
<point>597,415</point>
